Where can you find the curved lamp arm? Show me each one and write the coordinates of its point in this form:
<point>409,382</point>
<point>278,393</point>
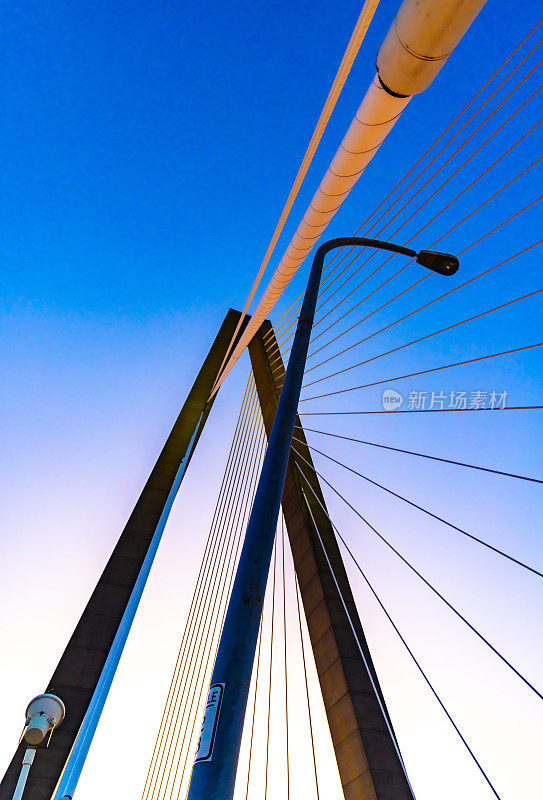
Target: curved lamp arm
<point>443,263</point>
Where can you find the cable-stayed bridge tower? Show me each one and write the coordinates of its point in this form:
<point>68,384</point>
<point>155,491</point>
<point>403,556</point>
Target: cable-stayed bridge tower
<point>365,743</point>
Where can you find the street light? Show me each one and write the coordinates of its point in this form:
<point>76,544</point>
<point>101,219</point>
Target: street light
<point>443,263</point>
<point>215,765</point>
<point>43,714</point>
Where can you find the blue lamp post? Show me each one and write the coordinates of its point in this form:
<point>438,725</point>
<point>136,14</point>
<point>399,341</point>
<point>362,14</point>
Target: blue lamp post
<point>215,765</point>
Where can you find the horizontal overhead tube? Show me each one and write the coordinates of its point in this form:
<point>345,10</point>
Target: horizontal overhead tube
<point>424,34</point>
<point>417,45</point>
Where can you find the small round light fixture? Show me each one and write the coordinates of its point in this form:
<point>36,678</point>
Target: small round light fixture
<point>44,713</point>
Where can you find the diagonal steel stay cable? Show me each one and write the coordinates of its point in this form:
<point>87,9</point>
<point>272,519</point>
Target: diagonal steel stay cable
<point>431,302</point>
<point>219,622</point>
<point>432,588</point>
<point>460,194</point>
<point>259,645</point>
<point>195,652</point>
<point>196,599</point>
<point>404,642</point>
<point>417,411</point>
<point>297,588</point>
<point>426,371</point>
<point>362,24</point>
<point>440,168</point>
<point>427,336</point>
<point>279,327</point>
<point>358,644</point>
<point>452,139</point>
<point>275,348</point>
<point>430,197</point>
<point>228,571</point>
<point>425,277</point>
<point>417,506</point>
<point>426,455</point>
<point>432,219</point>
<point>415,341</point>
<point>449,159</point>
<point>426,225</point>
<point>509,219</point>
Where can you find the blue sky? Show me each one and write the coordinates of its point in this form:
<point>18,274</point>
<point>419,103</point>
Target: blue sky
<point>148,151</point>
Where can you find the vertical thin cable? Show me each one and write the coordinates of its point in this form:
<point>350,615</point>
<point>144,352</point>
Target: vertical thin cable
<point>254,708</point>
<point>285,652</point>
<point>306,686</point>
<point>271,666</point>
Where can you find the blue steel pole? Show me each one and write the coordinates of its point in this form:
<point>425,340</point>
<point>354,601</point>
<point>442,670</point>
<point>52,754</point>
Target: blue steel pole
<point>215,764</point>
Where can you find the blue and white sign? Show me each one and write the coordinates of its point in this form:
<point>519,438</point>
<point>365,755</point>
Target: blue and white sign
<point>204,749</point>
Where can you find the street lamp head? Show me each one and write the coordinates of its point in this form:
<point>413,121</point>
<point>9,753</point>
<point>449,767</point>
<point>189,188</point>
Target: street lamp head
<point>443,263</point>
<point>44,713</point>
